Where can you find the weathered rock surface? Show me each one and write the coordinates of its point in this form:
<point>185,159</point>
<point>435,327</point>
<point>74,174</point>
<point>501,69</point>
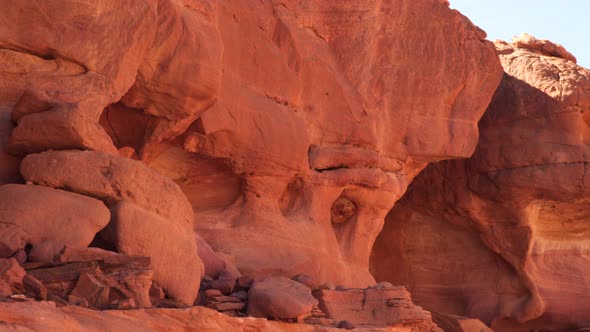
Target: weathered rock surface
<point>110,178</point>
<point>48,219</point>
<point>279,298</point>
<point>292,127</point>
<point>266,114</point>
<point>503,235</point>
<point>451,323</point>
<point>43,316</point>
<point>375,307</point>
<point>98,284</point>
<point>316,108</point>
<point>170,245</point>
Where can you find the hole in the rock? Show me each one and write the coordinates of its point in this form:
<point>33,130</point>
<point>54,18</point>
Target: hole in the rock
<point>28,248</point>
<point>342,210</point>
<point>125,125</point>
<point>100,242</point>
<point>209,183</point>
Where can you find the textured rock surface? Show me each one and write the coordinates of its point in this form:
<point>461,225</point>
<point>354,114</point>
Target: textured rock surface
<point>291,127</point>
<point>376,307</point>
<point>503,235</point>
<point>171,246</point>
<point>451,323</point>
<point>315,107</point>
<point>47,219</point>
<point>45,316</point>
<point>265,114</point>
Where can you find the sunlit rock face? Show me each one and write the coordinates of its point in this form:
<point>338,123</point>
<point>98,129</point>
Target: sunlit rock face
<point>503,235</point>
<point>292,127</point>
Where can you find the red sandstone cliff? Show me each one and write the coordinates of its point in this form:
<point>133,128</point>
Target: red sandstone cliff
<point>206,145</point>
<point>502,235</point>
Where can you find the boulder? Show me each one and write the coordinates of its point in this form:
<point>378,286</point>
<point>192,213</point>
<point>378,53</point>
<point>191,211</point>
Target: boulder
<point>111,178</point>
<point>170,245</point>
<point>48,219</point>
<point>279,298</point>
<point>60,128</point>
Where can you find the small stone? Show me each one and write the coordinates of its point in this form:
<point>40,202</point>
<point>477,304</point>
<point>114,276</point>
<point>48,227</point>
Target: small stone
<point>213,292</point>
<point>156,291</point>
<point>346,325</point>
<point>226,286</point>
<point>307,280</point>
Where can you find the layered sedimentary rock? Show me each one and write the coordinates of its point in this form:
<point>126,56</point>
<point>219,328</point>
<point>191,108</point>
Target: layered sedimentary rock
<point>503,236</point>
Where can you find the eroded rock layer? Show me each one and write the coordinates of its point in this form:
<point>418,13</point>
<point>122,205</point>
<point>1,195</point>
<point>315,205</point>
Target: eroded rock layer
<point>503,236</point>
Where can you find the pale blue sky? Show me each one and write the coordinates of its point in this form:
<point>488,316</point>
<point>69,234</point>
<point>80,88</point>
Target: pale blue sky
<point>566,22</point>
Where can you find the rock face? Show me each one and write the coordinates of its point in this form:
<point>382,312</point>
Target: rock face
<point>291,127</point>
<point>281,131</point>
<point>307,117</point>
<point>48,219</point>
<point>502,236</point>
